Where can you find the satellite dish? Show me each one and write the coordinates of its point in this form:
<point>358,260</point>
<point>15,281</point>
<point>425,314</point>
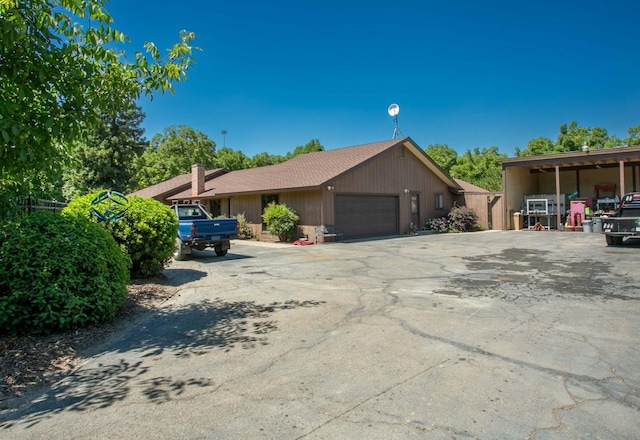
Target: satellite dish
<point>393,111</point>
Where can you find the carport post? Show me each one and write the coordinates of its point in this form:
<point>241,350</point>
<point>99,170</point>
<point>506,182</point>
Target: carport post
<point>558,213</point>
<point>622,191</point>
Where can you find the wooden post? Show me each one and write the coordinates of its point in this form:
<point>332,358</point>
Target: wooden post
<point>622,190</point>
<point>505,221</point>
<point>558,213</point>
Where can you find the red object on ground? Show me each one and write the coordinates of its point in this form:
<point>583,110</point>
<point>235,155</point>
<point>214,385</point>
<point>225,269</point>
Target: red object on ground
<point>302,242</point>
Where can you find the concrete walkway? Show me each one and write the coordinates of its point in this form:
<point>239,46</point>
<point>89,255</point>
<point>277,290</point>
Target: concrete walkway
<point>512,334</point>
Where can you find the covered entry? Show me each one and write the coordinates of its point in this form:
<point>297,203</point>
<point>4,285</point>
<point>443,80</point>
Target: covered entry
<point>366,216</point>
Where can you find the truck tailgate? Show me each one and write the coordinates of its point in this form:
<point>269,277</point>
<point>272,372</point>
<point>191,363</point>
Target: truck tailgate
<point>621,224</point>
<point>220,228</point>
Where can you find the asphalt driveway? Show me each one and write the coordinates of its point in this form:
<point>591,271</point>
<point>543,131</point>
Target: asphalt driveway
<point>512,334</point>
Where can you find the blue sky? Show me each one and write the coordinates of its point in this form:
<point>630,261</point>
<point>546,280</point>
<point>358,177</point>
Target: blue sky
<point>276,74</point>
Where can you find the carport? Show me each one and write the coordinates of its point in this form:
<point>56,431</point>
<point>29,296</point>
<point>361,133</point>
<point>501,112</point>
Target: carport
<point>577,173</point>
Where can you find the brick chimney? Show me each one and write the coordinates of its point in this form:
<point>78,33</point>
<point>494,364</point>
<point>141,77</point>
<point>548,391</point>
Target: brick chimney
<point>197,179</point>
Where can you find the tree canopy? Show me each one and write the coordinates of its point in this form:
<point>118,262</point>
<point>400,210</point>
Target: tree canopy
<point>571,137</point>
<point>480,167</point>
<point>310,147</point>
<point>172,153</point>
<point>443,155</point>
<point>62,67</point>
<point>105,157</point>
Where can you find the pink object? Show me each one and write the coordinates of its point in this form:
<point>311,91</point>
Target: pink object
<point>576,214</point>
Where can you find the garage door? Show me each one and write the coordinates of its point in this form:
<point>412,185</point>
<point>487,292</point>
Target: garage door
<point>366,216</point>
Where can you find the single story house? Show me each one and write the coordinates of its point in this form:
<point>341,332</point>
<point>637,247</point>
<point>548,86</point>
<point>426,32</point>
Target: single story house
<point>368,190</point>
<point>550,184</point>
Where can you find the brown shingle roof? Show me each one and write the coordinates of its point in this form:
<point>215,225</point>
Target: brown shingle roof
<point>304,171</point>
<point>169,187</point>
<point>470,188</point>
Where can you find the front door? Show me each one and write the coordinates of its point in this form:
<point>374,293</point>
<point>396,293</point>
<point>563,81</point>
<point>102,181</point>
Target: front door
<point>415,210</point>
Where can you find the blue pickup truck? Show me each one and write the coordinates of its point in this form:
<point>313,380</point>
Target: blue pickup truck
<point>197,230</point>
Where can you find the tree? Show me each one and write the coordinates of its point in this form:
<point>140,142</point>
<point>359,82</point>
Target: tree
<point>312,146</point>
<point>264,159</point>
<point>481,168</point>
<point>172,153</point>
<point>105,158</point>
<point>540,145</point>
<point>634,136</point>
<point>231,159</point>
<point>571,137</point>
<point>61,68</point>
<point>443,155</point>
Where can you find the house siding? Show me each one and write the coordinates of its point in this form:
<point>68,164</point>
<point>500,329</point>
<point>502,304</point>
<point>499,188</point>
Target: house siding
<point>390,174</point>
<point>488,207</point>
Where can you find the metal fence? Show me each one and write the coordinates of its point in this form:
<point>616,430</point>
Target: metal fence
<point>28,205</point>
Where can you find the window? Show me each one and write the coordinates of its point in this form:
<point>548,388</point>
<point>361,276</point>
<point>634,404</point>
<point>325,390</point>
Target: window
<point>266,199</point>
<point>439,201</point>
<point>414,204</point>
<point>215,208</point>
<point>415,209</point>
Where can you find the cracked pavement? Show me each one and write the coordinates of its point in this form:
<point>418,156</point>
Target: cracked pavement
<point>505,334</point>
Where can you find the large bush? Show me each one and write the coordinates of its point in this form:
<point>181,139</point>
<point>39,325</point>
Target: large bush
<point>58,273</point>
<point>462,219</point>
<point>459,219</point>
<point>281,221</point>
<point>147,232</point>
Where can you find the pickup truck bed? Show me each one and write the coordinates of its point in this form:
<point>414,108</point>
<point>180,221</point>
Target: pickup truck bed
<point>197,230</point>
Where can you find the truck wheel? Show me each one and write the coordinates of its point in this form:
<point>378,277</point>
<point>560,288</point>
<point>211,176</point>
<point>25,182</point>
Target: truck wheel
<point>221,252</point>
<point>609,239</point>
<point>178,253</point>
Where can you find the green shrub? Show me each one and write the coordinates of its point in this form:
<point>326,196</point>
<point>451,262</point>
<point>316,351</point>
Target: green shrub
<point>281,221</point>
<point>440,224</point>
<point>147,232</point>
<point>462,219</point>
<point>244,227</point>
<point>58,273</point>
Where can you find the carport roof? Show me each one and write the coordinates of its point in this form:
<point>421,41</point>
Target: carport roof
<point>311,170</point>
<point>603,158</point>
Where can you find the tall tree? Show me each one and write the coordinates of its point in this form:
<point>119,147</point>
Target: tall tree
<point>62,66</point>
<point>105,158</point>
<point>481,168</point>
<point>443,155</point>
<point>172,153</point>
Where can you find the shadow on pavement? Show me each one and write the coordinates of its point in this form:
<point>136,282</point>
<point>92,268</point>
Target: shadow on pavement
<point>209,255</point>
<point>182,332</point>
<point>178,276</point>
